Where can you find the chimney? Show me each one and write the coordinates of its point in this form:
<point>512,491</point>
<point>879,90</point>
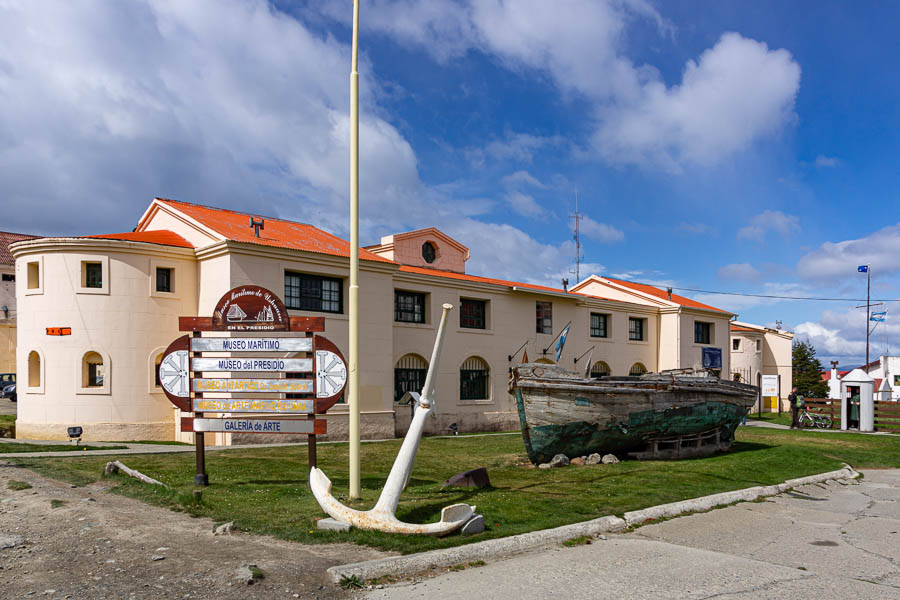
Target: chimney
<point>669,291</point>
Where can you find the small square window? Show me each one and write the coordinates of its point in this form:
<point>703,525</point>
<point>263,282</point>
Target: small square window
<point>702,332</point>
<point>599,325</point>
<point>472,313</point>
<point>93,275</point>
<point>163,279</point>
<point>736,344</point>
<point>9,277</point>
<point>409,307</point>
<point>544,317</point>
<point>636,329</point>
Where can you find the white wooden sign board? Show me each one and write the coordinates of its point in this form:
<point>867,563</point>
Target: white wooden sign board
<point>231,425</point>
<point>268,344</point>
<point>243,386</point>
<point>770,385</point>
<point>265,405</point>
<point>272,365</point>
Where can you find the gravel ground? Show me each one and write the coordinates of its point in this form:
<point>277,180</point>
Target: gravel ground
<point>60,541</point>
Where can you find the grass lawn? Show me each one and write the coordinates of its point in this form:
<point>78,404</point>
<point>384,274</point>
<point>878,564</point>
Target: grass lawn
<point>7,426</point>
<point>264,490</point>
<point>783,419</point>
<point>17,447</point>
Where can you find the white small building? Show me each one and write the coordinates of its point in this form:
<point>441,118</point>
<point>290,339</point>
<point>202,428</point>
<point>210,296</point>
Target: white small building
<point>757,350</point>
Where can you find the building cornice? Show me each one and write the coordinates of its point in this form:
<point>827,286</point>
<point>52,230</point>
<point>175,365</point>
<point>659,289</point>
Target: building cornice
<point>60,245</point>
<point>231,247</point>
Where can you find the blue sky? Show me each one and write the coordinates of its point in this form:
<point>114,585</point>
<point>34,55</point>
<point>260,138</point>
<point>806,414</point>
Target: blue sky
<point>726,146</point>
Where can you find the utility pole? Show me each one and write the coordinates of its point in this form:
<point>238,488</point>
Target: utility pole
<point>353,374</point>
<point>868,302</point>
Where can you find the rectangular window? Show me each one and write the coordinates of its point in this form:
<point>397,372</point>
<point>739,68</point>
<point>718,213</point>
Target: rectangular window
<point>473,384</point>
<point>313,292</point>
<point>163,279</point>
<point>9,277</point>
<point>702,332</point>
<point>471,313</point>
<point>34,275</point>
<point>408,380</point>
<point>544,314</point>
<point>599,325</point>
<point>736,344</point>
<point>93,275</point>
<point>759,345</point>
<point>409,307</point>
<point>95,375</point>
<point>636,329</point>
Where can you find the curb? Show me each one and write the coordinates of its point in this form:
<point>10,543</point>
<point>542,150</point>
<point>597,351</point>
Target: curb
<point>516,544</point>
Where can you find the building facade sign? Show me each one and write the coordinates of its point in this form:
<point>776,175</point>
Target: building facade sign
<point>243,344</point>
<point>250,308</point>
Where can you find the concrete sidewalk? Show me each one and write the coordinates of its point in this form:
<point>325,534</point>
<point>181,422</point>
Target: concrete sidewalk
<point>836,540</point>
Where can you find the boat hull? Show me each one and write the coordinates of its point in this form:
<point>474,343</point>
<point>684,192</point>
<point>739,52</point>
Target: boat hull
<point>578,417</point>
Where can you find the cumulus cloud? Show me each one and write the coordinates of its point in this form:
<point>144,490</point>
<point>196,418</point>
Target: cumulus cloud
<point>769,220</point>
<point>515,147</point>
<point>839,260</point>
<point>522,178</point>
<point>600,232</point>
<point>523,204</point>
<point>736,92</point>
<point>739,272</point>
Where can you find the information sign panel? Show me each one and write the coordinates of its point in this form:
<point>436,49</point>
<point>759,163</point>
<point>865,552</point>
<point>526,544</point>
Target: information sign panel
<point>244,386</point>
<point>243,425</point>
<point>264,405</point>
<point>233,344</point>
<point>272,365</point>
<point>770,385</point>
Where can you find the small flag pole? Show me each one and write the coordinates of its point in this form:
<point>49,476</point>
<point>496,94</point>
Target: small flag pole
<point>868,302</point>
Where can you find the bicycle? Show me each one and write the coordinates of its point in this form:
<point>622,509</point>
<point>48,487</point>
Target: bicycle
<point>814,419</point>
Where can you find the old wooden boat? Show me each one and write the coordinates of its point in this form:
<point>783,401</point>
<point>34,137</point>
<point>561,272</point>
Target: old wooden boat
<point>657,415</point>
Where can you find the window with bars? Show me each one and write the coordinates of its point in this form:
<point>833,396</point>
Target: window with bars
<point>472,313</point>
<point>93,275</point>
<point>637,369</point>
<point>313,292</point>
<point>702,332</point>
<point>409,307</point>
<point>636,328</point>
<point>599,325</point>
<point>544,314</point>
<point>600,369</point>
<point>409,375</point>
<point>474,375</point>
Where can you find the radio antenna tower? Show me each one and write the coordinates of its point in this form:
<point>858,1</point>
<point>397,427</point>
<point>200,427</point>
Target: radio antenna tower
<point>579,253</point>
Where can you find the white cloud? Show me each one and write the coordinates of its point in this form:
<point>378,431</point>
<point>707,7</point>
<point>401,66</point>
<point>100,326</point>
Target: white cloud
<point>738,91</point>
<point>825,162</point>
<point>739,272</point>
<point>696,228</point>
<point>839,260</point>
<point>600,232</point>
<point>523,204</point>
<point>515,147</point>
<point>769,221</point>
<point>522,178</point>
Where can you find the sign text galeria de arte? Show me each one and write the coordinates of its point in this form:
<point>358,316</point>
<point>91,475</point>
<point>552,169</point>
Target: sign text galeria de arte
<point>307,385</point>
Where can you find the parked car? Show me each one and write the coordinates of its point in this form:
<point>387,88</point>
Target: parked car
<point>10,392</point>
<point>7,382</point>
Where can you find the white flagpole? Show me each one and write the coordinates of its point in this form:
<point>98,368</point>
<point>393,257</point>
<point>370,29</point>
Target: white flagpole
<point>353,375</point>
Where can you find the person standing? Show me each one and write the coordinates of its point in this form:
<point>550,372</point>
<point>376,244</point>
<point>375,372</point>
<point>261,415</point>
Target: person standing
<point>795,409</point>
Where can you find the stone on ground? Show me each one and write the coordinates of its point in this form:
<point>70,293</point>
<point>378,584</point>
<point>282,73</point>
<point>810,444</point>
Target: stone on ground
<point>224,528</point>
<point>609,459</point>
<point>593,459</point>
<point>577,461</point>
<point>473,525</point>
<point>10,541</point>
<point>329,524</point>
<point>560,460</point>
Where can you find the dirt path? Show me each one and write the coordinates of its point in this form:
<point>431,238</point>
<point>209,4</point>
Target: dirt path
<point>101,545</point>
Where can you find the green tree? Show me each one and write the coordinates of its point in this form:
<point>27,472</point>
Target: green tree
<point>807,371</point>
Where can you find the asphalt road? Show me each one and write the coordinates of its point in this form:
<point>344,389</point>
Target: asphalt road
<point>836,540</point>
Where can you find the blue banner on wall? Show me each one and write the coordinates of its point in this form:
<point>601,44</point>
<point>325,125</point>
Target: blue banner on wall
<point>712,358</point>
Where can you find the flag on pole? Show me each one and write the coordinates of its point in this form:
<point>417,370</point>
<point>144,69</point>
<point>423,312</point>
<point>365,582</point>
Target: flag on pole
<point>587,364</point>
<point>863,268</point>
<point>878,316</point>
<point>561,342</point>
<point>525,356</point>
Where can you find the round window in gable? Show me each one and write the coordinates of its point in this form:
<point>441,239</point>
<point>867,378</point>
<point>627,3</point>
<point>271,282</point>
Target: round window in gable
<point>428,252</point>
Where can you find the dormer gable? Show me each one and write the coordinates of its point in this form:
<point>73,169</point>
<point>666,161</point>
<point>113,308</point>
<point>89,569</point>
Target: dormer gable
<point>427,247</point>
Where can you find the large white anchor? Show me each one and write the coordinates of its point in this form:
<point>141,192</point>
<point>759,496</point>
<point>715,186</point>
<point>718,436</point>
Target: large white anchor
<point>382,517</point>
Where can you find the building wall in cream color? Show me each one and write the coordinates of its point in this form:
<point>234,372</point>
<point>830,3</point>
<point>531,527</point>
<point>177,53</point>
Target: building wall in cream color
<point>124,322</point>
<point>747,360</point>
<point>774,357</point>
<point>8,321</point>
<point>7,348</point>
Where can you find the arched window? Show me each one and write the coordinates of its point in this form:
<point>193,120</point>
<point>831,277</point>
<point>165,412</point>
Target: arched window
<point>474,379</point>
<point>92,370</point>
<point>156,362</point>
<point>600,369</point>
<point>637,369</point>
<point>34,369</point>
<point>409,375</point>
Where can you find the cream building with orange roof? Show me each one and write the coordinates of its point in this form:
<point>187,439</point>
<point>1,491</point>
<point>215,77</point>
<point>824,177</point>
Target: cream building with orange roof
<point>757,350</point>
<point>121,295</point>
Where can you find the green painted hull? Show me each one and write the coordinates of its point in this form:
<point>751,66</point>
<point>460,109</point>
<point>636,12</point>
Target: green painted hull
<point>581,438</point>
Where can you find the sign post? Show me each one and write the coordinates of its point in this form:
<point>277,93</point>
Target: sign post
<point>770,387</point>
<point>198,383</point>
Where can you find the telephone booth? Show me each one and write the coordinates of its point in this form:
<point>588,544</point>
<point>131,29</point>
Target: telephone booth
<point>858,401</point>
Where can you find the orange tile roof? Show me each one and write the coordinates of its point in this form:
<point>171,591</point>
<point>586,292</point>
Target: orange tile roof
<point>749,329</point>
<point>7,238</point>
<point>162,237</point>
<point>489,280</point>
<point>277,233</point>
<point>655,291</point>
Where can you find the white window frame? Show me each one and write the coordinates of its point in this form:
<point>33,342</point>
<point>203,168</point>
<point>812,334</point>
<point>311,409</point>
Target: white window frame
<point>103,390</point>
<point>83,259</point>
<point>156,263</point>
<point>40,288</point>
<point>740,347</point>
<point>646,330</point>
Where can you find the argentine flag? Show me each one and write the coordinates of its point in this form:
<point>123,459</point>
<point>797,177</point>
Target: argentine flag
<point>561,342</point>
